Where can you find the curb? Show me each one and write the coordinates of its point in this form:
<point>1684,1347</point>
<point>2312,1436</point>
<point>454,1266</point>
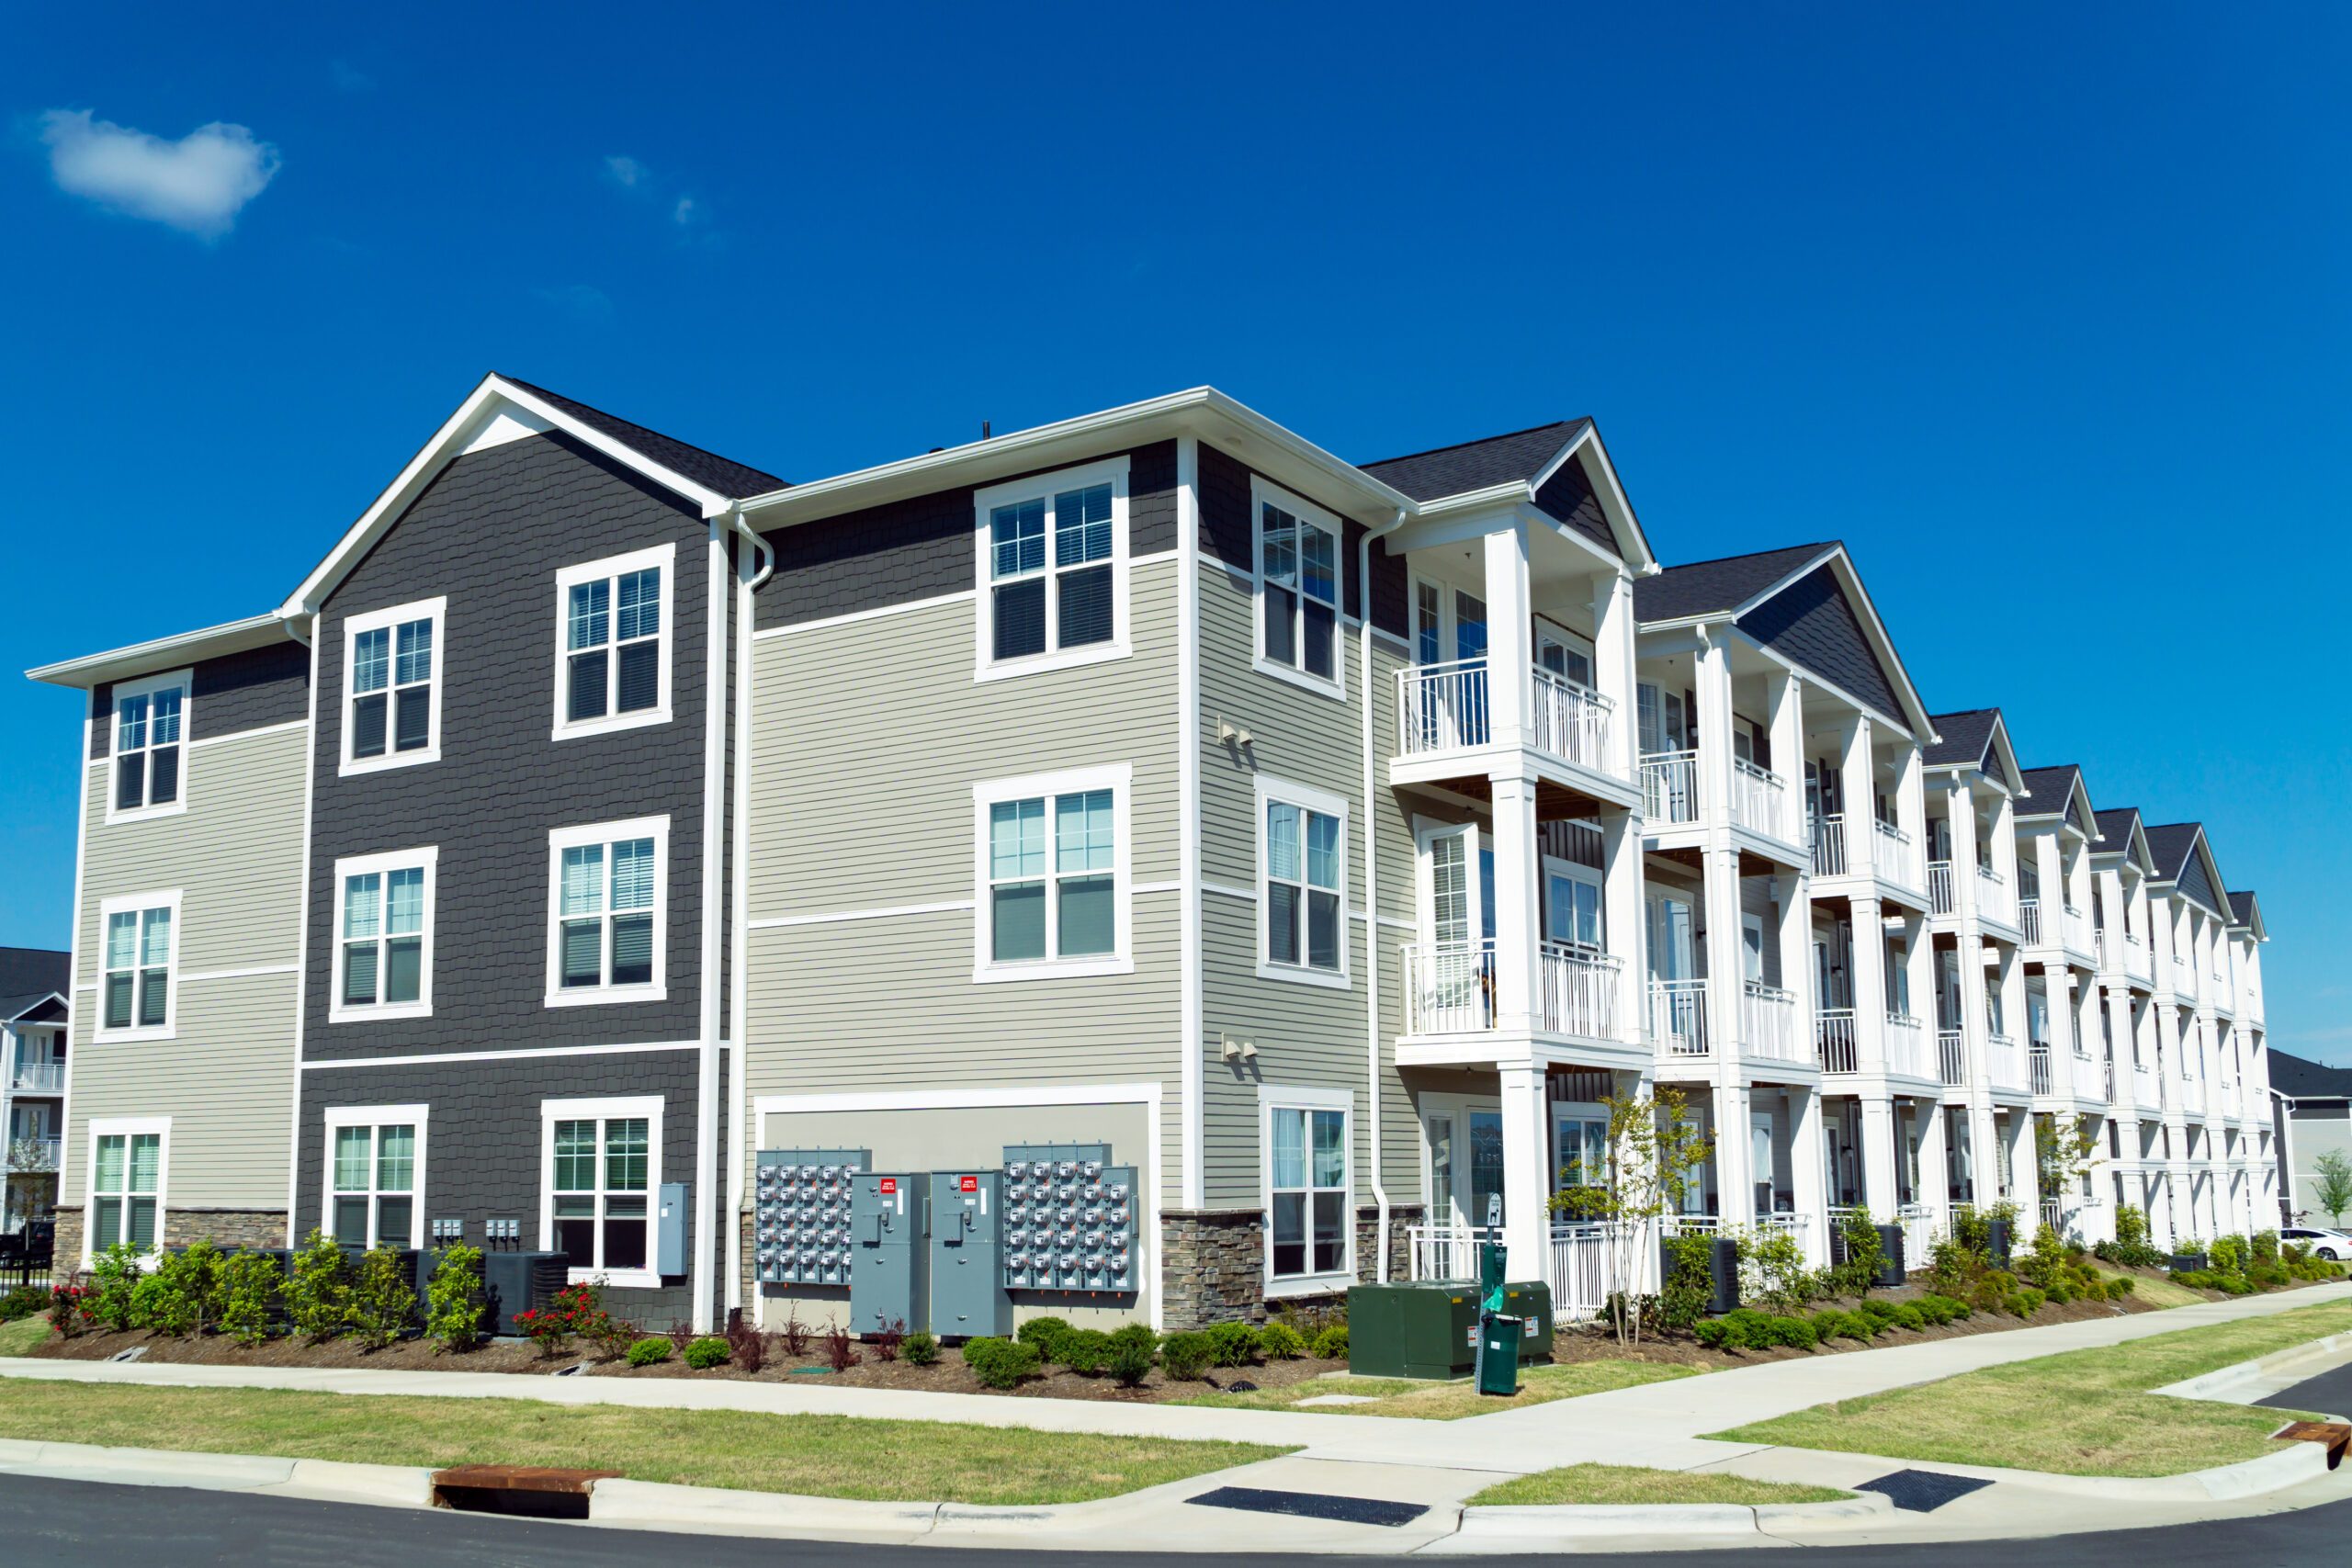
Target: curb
<point>2259,1377</point>
<point>1519,1528</point>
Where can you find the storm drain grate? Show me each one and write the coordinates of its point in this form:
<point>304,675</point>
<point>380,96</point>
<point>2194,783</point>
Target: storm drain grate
<point>1313,1506</point>
<point>1922,1491</point>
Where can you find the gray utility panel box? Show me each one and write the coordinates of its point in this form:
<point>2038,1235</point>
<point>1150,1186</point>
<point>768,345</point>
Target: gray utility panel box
<point>1070,1219</point>
<point>670,1229</point>
<point>890,1251</point>
<point>968,1294</point>
<point>800,1215</point>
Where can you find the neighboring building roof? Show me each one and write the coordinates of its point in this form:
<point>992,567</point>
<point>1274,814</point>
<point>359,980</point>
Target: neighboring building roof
<point>1518,457</point>
<point>705,467</point>
<point>2049,788</point>
<point>2172,843</point>
<point>1963,737</point>
<point>2246,912</point>
<point>1710,587</point>
<point>2115,826</point>
<point>2298,1079</point>
<point>14,1008</point>
<point>35,971</point>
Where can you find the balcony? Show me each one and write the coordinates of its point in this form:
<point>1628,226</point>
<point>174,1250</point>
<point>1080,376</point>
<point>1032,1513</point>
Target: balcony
<point>1576,990</point>
<point>1941,898</point>
<point>2192,1096</point>
<point>2039,1078</point>
<point>1450,989</point>
<point>1759,801</point>
<point>2001,1061</point>
<point>1906,1047</point>
<point>1951,1049</point>
<point>1768,1023</point>
<point>38,1077</point>
<point>2078,937</point>
<point>2136,962</point>
<point>1670,787</point>
<point>33,1153</point>
<point>1991,896</point>
<point>1447,708</point>
<point>1833,1035</point>
<point>1829,845</point>
<point>1678,1018</point>
<point>2030,921</point>
<point>1898,857</point>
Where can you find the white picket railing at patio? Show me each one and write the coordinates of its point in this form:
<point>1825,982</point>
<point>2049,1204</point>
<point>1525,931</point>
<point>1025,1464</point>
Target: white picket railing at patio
<point>1576,989</point>
<point>1679,1017</point>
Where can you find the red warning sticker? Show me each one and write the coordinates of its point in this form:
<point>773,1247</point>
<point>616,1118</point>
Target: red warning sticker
<point>889,1184</point>
<point>968,1184</point>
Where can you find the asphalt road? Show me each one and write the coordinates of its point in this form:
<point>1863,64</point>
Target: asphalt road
<point>73,1524</point>
<point>2330,1393</point>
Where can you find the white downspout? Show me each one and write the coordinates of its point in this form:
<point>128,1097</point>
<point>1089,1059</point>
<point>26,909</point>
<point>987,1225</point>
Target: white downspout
<point>1372,892</point>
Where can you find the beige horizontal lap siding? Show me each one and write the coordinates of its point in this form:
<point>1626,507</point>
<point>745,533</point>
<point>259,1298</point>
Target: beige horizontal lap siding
<point>226,1076</point>
<point>1308,1036</point>
<point>867,737</point>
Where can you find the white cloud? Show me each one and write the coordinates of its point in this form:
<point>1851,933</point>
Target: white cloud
<point>198,183</point>
<point>627,171</point>
<point>685,211</point>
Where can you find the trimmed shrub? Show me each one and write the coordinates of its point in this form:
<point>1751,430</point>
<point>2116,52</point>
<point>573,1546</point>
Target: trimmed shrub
<point>156,1305</point>
<point>1331,1345</point>
<point>2266,1246</point>
<point>454,1308</point>
<point>1189,1355</point>
<point>1689,1280</point>
<point>1084,1351</point>
<point>1001,1364</point>
<point>704,1354</point>
<point>920,1349</point>
<point>318,1293</point>
<point>747,1345</point>
<point>1043,1333</point>
<point>251,1284</point>
<point>1234,1344</point>
<point>114,1275</point>
<point>69,1308</point>
<point>1281,1342</point>
<point>1130,1360</point>
<point>1830,1324</point>
<point>651,1351</point>
<point>383,1299</point>
<point>1137,1334</point>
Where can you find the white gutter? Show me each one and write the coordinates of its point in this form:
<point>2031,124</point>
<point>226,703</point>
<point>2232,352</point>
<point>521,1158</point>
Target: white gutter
<point>1372,890</point>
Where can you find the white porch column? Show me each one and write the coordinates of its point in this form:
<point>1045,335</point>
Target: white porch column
<point>1868,967</point>
<point>1857,784</point>
<point>1714,731</point>
<point>1784,720</point>
<point>1510,636</point>
<point>1613,664</point>
<point>1527,1174</point>
<point>2025,1173</point>
<point>1920,972</point>
<point>1974,1015</point>
<point>1627,933</point>
<point>1518,923</point>
<point>2004,844</point>
<point>1793,936</point>
<point>2050,872</point>
<point>2058,999</point>
<point>1881,1148</point>
<point>1808,1175</point>
<point>1734,1164</point>
<point>1935,1187</point>
<point>1911,809</point>
<point>1726,964</point>
<point>1960,810</point>
<point>1983,1155</point>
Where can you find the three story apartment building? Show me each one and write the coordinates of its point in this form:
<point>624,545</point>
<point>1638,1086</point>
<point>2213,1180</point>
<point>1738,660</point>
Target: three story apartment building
<point>1322,842</point>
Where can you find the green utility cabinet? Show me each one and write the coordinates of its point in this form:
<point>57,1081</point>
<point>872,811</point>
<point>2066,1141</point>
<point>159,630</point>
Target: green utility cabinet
<point>1429,1328</point>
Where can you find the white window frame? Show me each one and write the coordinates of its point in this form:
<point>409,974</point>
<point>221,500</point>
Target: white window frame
<point>427,859</point>
<point>1262,493</point>
<point>126,1128</point>
<point>378,1117</point>
<point>602,1109</point>
<point>1118,779</point>
<point>147,686</point>
<point>1270,1099</point>
<point>435,610</point>
<point>1273,791</point>
<point>1112,471</point>
<point>561,839</point>
<point>1587,876</point>
<point>661,556</point>
<point>138,903</point>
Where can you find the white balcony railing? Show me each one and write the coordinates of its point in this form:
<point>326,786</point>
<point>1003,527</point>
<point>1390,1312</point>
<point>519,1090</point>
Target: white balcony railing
<point>2030,921</point>
<point>1768,1022</point>
<point>1571,721</point>
<point>1952,1047</point>
<point>1576,990</point>
<point>1992,895</point>
<point>1679,1017</point>
<point>2001,1059</point>
<point>1758,799</point>
<point>2192,1095</point>
<point>1833,1034</point>
<point>1898,857</point>
<point>1670,787</point>
<point>38,1077</point>
<point>1906,1047</point>
<point>1940,893</point>
<point>1829,845</point>
<point>2038,1066</point>
<point>1449,987</point>
<point>34,1153</point>
<point>2078,936</point>
<point>2135,957</point>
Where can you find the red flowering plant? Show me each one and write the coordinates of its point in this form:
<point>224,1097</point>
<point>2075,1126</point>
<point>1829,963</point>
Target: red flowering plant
<point>577,1312</point>
<point>69,1308</point>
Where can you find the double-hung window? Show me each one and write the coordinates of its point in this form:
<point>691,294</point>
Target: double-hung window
<point>1308,1227</point>
<point>1298,588</point>
<point>607,903</point>
<point>126,1197</point>
<point>376,1174</point>
<point>603,1157</point>
<point>612,653</point>
<point>384,935</point>
<point>1053,569</point>
<point>138,936</point>
<point>1303,867</point>
<point>1052,875</point>
<point>150,747</point>
<point>392,686</point>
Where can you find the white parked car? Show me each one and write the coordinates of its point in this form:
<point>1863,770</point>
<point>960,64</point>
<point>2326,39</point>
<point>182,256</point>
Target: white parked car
<point>2335,1246</point>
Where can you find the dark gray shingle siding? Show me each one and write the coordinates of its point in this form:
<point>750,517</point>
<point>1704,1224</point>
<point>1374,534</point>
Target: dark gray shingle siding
<point>2195,884</point>
<point>258,687</point>
<point>1811,622</point>
<point>1568,495</point>
<point>1226,535</point>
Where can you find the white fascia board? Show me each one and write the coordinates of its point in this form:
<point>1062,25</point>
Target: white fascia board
<point>180,648</point>
<point>435,453</point>
<point>1243,433</point>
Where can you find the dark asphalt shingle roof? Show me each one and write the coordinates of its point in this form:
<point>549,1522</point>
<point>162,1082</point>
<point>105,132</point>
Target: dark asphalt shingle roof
<point>2049,788</point>
<point>1964,736</point>
<point>1493,460</point>
<point>2115,824</point>
<point>14,1008</point>
<point>2300,1079</point>
<point>2169,846</point>
<point>729,477</point>
<point>34,972</point>
<point>1703,587</point>
<point>2242,908</point>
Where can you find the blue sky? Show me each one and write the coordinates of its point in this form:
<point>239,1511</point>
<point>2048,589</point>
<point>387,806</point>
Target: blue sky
<point>2042,311</point>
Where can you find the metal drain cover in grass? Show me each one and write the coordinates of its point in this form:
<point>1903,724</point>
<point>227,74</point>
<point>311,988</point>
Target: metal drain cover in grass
<point>1922,1491</point>
<point>1313,1506</point>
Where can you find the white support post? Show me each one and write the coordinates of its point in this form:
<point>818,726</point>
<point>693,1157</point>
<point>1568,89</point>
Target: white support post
<point>1960,810</point>
<point>1869,969</point>
<point>1510,632</point>
<point>1713,733</point>
<point>2049,873</point>
<point>1984,1151</point>
<point>1857,784</point>
<point>1794,936</point>
<point>1808,1171</point>
<point>1527,1178</point>
<point>1881,1148</point>
<point>1727,966</point>
<point>1911,809</point>
<point>1735,1175</point>
<point>1784,718</point>
<point>1518,921</point>
<point>1935,1187</point>
<point>1613,655</point>
<point>1627,932</point>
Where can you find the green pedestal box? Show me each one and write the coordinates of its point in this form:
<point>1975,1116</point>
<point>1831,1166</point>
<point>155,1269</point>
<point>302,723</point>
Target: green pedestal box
<point>1429,1328</point>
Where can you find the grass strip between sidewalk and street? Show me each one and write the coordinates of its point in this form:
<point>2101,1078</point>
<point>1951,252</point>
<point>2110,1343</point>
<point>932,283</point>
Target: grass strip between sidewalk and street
<point>2081,1413</point>
<point>1620,1485</point>
<point>824,1456</point>
<point>1445,1401</point>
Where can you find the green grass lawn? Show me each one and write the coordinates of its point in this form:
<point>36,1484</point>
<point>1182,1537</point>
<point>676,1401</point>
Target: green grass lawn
<point>19,1339</point>
<point>1622,1483</point>
<point>2083,1413</point>
<point>2160,1293</point>
<point>1447,1400</point>
<point>826,1456</point>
